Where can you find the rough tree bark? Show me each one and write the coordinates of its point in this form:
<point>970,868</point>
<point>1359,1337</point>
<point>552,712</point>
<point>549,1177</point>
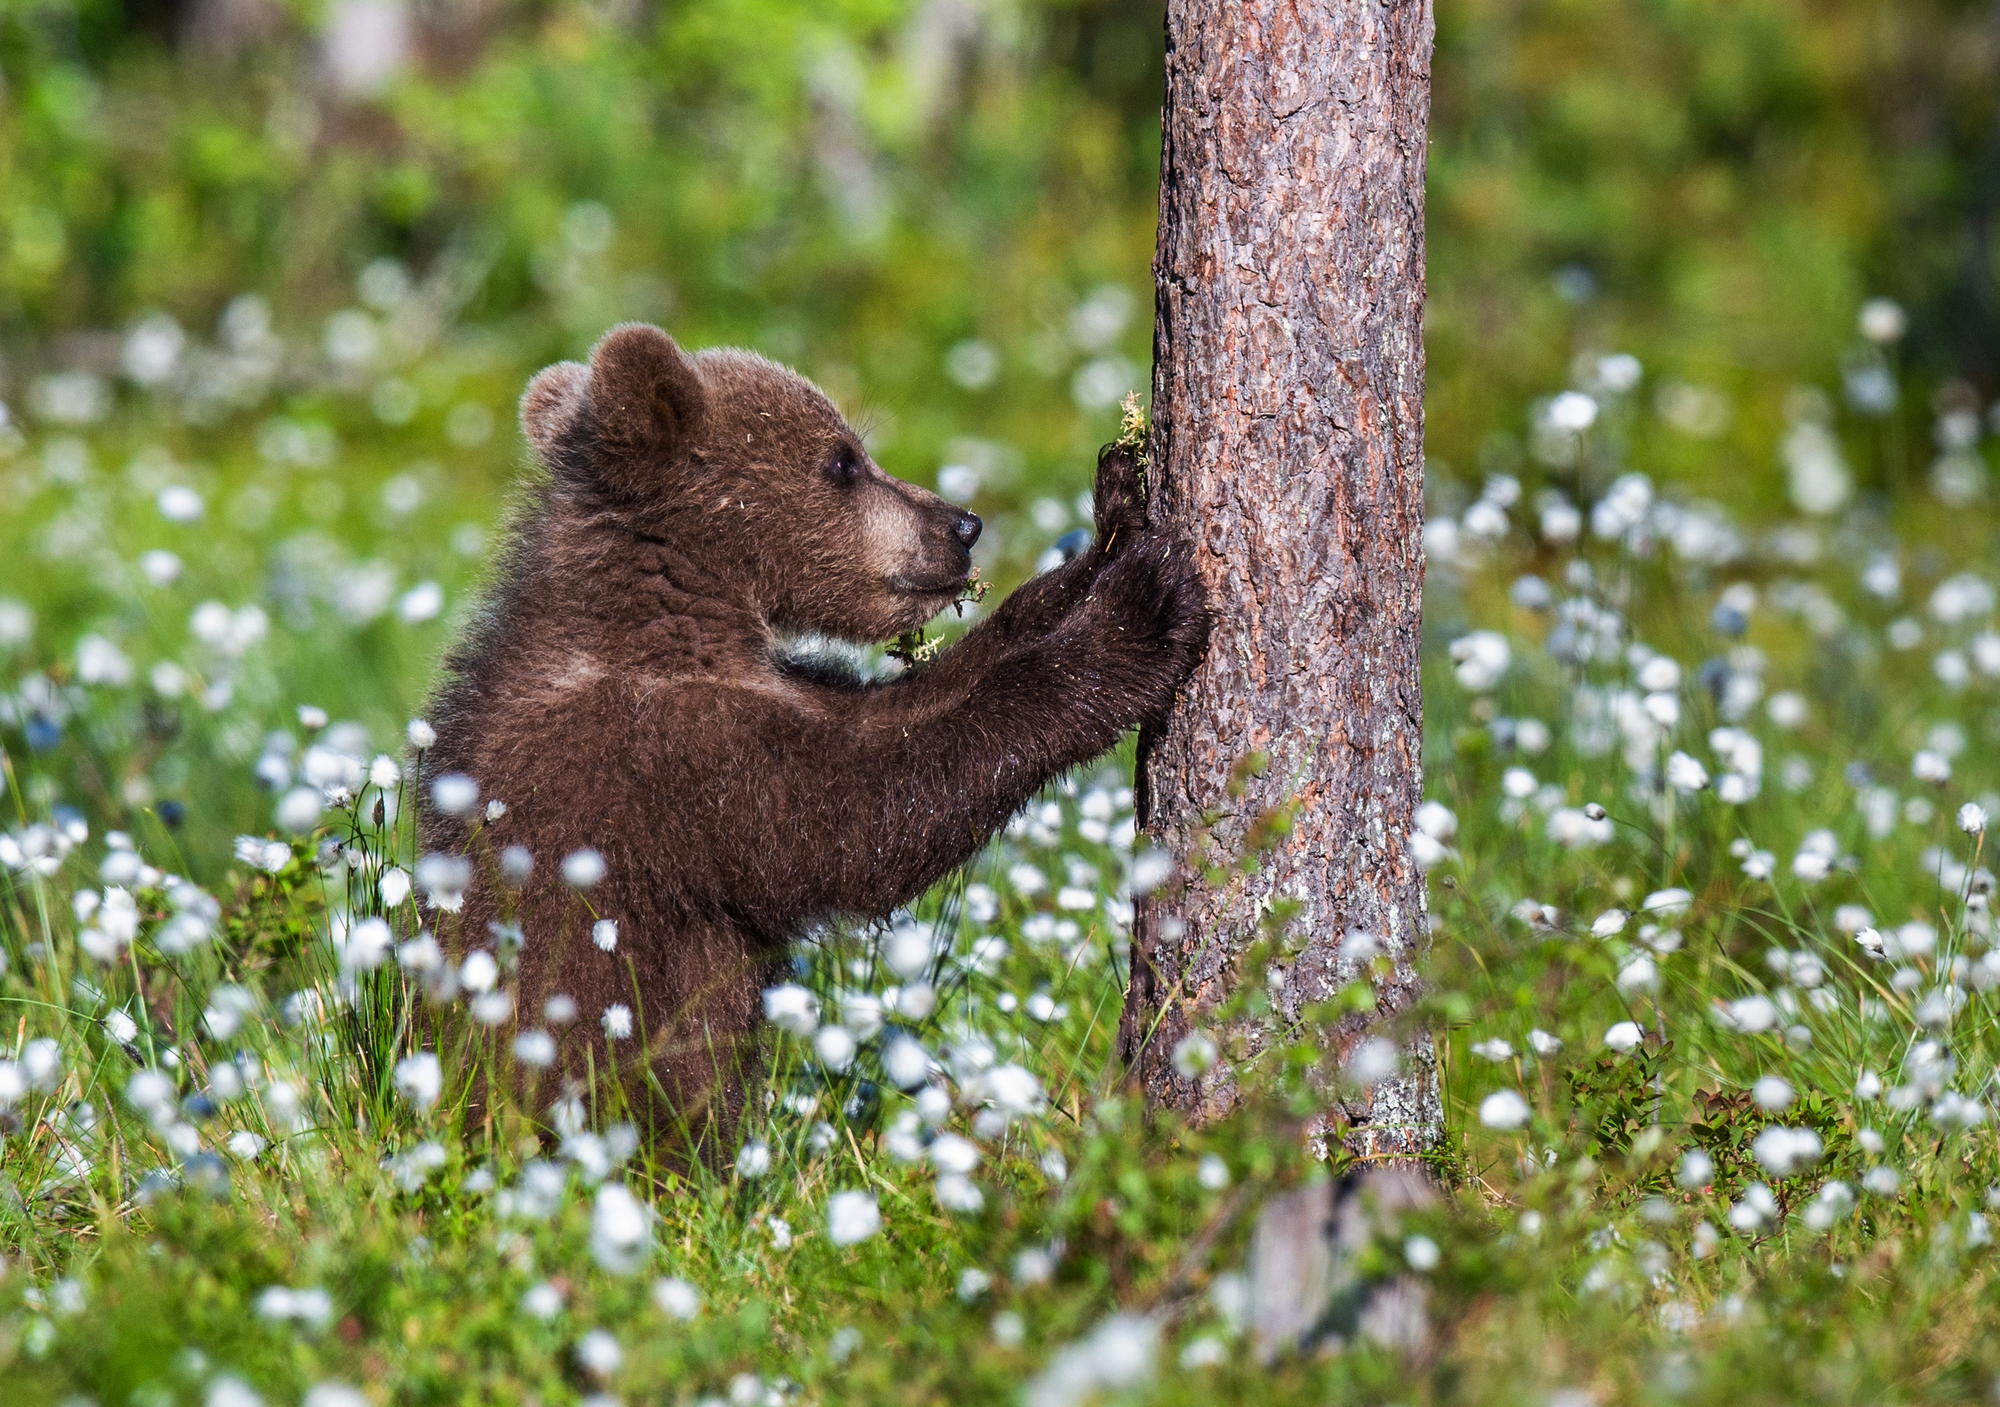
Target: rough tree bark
<point>1288,443</point>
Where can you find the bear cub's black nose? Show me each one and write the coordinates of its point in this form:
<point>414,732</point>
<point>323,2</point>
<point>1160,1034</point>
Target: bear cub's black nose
<point>966,529</point>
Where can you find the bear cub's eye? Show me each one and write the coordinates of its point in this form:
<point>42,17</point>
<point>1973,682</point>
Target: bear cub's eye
<point>844,467</point>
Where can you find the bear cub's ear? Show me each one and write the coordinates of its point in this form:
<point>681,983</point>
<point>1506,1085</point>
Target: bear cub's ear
<point>550,406</point>
<point>645,394</point>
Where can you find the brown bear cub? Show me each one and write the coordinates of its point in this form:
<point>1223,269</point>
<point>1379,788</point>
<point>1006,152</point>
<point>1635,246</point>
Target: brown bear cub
<point>627,690</point>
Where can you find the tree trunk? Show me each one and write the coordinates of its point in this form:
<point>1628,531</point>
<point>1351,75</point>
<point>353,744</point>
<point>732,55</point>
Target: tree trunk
<point>1287,443</point>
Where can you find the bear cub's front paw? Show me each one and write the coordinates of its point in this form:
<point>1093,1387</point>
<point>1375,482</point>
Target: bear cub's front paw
<point>1151,596</point>
<point>1119,501</point>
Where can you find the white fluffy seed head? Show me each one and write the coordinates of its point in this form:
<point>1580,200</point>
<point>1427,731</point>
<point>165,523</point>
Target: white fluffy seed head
<point>1504,1109</point>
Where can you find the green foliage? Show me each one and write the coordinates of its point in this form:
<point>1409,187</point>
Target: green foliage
<point>950,228</point>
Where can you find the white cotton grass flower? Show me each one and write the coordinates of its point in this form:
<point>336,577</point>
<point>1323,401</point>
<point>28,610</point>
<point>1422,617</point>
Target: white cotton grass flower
<point>1931,766</point>
<point>904,1138</point>
<point>454,794</point>
<point>420,1079</point>
<point>517,862</point>
<point>620,1229</point>
<point>364,946</point>
<point>535,1049</point>
<point>1579,827</point>
<point>791,1008</point>
<point>1571,412</point>
<point>676,1298</point>
<point>1149,870</point>
<point>311,1306</point>
<point>1882,321</point>
<point>1972,818</point>
<point>1027,880</point>
<point>421,955</point>
<point>753,1159</point>
<point>1609,924</point>
<point>1480,659</point>
<point>42,1063</point>
<point>1754,1210</point>
<point>959,1195</point>
<point>113,928</point>
<point>1751,1015</point>
<point>1685,774</point>
<point>333,1394</point>
<point>617,1022</point>
<point>1624,1036</point>
<point>582,869</point>
<point>1212,1172</point>
<point>1372,1061</point>
<point>599,1353</point>
<point>909,949</point>
<point>394,887</point>
<point>1782,1151</point>
<point>1561,521</point>
<point>1772,1093</point>
<point>952,1153</point>
<point>1696,1170</point>
<point>1427,851</point>
<point>1816,856</point>
<point>905,1062</point>
<point>1421,1253</point>
<point>1881,1181</point>
<point>1494,1049</point>
<point>1666,903</point>
<point>835,1047</point>
<point>1009,1092</point>
<point>300,808</point>
<point>1641,974</point>
<point>492,1008</point>
<point>1542,1043</point>
<point>852,1217</point>
<point>1436,820</point>
<point>862,1013</point>
<point>1504,1109</point>
<point>1194,1055</point>
<point>604,933</point>
<point>228,1391</point>
<point>1116,1356</point>
<point>479,972</point>
<point>543,1301</point>
<point>1833,1201</point>
<point>444,879</point>
<point>1954,1112</point>
<point>151,1093</point>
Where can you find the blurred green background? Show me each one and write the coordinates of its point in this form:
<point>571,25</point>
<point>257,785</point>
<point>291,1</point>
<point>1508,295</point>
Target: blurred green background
<point>272,274</point>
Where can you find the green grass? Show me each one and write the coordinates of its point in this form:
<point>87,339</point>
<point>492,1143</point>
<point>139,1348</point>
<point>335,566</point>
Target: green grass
<point>313,1226</point>
<point>444,1251</point>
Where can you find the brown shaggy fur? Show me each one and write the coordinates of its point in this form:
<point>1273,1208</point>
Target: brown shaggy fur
<point>626,690</point>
